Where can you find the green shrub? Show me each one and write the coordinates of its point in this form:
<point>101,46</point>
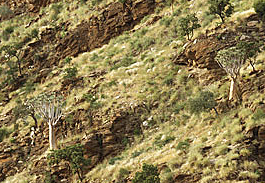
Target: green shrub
<point>113,160</point>
<point>70,73</point>
<point>149,174</point>
<point>123,174</point>
<point>184,145</point>
<point>6,33</point>
<point>204,102</point>
<point>136,153</point>
<point>259,6</point>
<point>72,154</point>
<point>258,115</point>
<point>3,134</point>
<point>5,12</point>
<point>160,143</point>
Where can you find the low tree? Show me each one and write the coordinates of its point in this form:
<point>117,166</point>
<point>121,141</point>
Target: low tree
<point>23,110</point>
<point>187,25</point>
<point>49,107</point>
<point>259,6</point>
<point>231,60</point>
<point>203,102</point>
<point>250,51</point>
<point>222,8</point>
<point>74,155</point>
<point>13,55</point>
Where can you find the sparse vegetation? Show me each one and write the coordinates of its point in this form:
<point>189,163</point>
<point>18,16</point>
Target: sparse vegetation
<point>143,96</point>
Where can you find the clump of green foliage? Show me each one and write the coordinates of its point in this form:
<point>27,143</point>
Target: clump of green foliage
<point>123,174</point>
<point>149,174</point>
<point>250,51</point>
<point>5,12</point>
<point>114,159</point>
<point>72,154</point>
<point>71,71</point>
<point>35,34</point>
<point>204,102</point>
<point>259,6</point>
<point>7,32</point>
<point>187,25</point>
<point>3,134</point>
<point>162,142</point>
<point>222,8</point>
<point>258,115</point>
<point>12,55</point>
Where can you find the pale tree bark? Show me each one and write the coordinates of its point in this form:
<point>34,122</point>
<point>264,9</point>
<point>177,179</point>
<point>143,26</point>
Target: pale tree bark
<point>231,60</point>
<point>51,111</point>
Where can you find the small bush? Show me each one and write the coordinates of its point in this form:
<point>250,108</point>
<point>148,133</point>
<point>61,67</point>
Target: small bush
<point>258,115</point>
<point>72,154</point>
<point>136,153</point>
<point>113,160</point>
<point>6,33</point>
<point>123,174</point>
<point>149,174</point>
<point>160,143</point>
<point>70,73</point>
<point>204,102</point>
<point>183,145</point>
<point>259,6</point>
<point>3,134</point>
<point>5,12</point>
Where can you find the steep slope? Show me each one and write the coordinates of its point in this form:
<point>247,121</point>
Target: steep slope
<point>140,83</point>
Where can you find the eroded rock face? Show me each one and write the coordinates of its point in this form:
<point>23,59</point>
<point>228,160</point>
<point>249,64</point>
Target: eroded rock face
<point>22,6</point>
<point>97,31</point>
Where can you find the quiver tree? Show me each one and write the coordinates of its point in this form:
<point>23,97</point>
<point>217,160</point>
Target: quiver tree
<point>49,107</point>
<point>231,60</point>
<point>250,51</point>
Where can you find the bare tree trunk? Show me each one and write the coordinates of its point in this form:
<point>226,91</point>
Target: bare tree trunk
<point>231,89</point>
<point>235,90</point>
<point>52,140</point>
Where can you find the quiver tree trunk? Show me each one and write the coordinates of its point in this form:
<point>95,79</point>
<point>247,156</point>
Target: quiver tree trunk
<point>235,91</point>
<point>52,137</point>
<point>49,107</point>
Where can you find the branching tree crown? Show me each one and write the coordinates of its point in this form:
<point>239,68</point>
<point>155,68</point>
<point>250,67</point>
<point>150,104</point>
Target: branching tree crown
<point>9,53</point>
<point>187,25</point>
<point>231,60</point>
<point>49,106</point>
<point>250,51</point>
<point>222,8</point>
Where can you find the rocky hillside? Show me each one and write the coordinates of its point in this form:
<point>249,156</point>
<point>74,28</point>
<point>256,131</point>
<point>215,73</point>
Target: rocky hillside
<point>127,77</point>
